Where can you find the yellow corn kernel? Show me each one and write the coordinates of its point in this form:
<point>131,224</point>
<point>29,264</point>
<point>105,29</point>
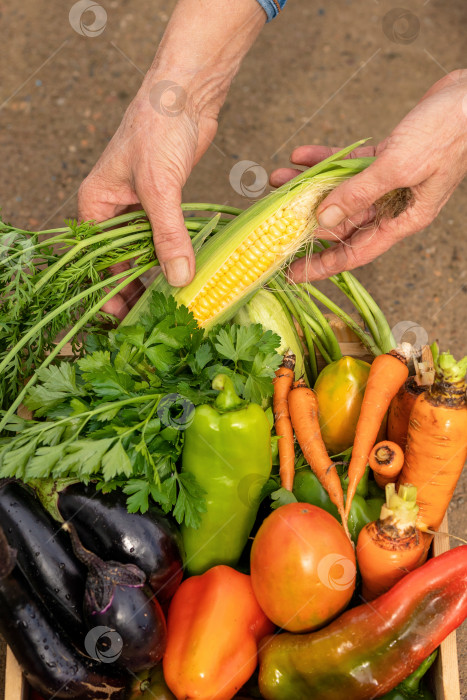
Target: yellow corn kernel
<point>253,257</point>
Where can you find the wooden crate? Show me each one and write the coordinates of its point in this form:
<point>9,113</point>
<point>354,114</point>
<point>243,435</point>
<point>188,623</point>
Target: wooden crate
<point>445,672</point>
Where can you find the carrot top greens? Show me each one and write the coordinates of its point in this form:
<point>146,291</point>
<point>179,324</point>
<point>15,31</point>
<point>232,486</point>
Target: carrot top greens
<point>54,284</point>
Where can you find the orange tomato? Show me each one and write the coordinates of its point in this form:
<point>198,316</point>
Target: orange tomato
<point>302,567</point>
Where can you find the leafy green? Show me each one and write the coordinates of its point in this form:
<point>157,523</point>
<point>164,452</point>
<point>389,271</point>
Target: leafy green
<point>118,414</point>
<point>55,285</point>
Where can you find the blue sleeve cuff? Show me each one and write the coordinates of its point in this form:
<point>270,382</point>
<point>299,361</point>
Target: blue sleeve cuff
<point>272,7</point>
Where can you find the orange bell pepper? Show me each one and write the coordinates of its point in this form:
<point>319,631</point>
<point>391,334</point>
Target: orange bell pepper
<point>214,626</point>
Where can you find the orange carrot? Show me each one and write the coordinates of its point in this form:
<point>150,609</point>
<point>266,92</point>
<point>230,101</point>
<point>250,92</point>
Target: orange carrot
<point>303,407</point>
<point>437,440</point>
<point>386,460</point>
<point>387,374</point>
<point>282,386</point>
<point>392,546</point>
<point>399,411</point>
<point>403,402</point>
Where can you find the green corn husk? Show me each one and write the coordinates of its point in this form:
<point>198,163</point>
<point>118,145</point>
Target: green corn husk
<point>264,308</point>
<point>313,184</point>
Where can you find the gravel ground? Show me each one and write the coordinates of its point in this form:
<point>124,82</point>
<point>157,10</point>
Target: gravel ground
<point>322,73</point>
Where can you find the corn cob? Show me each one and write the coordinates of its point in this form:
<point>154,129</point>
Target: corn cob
<point>255,245</point>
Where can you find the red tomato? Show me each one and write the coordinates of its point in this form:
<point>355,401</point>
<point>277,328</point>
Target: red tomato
<point>302,567</point>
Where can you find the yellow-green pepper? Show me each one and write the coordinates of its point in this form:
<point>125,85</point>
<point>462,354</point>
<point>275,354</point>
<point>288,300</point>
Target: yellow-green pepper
<point>339,389</point>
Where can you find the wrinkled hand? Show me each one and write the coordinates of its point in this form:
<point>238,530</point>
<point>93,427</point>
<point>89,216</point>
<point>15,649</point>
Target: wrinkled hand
<point>427,152</point>
<point>145,165</point>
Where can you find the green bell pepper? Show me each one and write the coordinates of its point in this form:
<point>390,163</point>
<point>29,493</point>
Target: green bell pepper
<point>227,449</point>
<point>307,489</point>
<point>410,688</point>
<point>363,484</point>
<point>374,490</point>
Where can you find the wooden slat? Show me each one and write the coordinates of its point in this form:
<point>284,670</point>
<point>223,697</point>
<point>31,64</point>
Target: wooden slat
<point>15,687</point>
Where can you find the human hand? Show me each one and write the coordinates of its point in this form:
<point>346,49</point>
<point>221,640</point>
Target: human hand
<point>145,166</point>
<point>426,152</point>
<point>157,144</point>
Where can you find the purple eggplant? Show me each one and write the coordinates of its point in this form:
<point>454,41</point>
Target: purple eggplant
<point>116,598</point>
<point>50,662</point>
<point>44,555</point>
<point>104,525</point>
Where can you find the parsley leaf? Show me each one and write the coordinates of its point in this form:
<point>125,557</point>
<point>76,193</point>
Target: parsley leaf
<point>116,462</point>
<point>200,359</point>
<point>258,383</point>
<point>57,384</point>
<point>108,382</point>
<point>189,502</point>
<point>238,342</point>
<point>119,414</point>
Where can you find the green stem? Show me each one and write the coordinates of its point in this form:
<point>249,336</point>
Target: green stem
<point>142,424</point>
<point>360,303</point>
<point>365,305</point>
<point>188,206</point>
<point>314,325</point>
<point>447,368</point>
<point>64,259</point>
<point>122,219</point>
<point>310,362</point>
<point>366,339</point>
<point>296,310</point>
<point>227,399</point>
<point>200,221</point>
<point>219,208</point>
<point>132,255</point>
<point>82,322</point>
<point>48,490</point>
<point>52,314</point>
<point>344,281</point>
<point>311,339</point>
<point>87,415</point>
<point>311,352</point>
<point>315,312</point>
<point>387,339</point>
<point>101,251</point>
<point>41,244</point>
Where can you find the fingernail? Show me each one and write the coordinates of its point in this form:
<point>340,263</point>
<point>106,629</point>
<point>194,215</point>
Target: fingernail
<point>177,271</point>
<point>331,216</point>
